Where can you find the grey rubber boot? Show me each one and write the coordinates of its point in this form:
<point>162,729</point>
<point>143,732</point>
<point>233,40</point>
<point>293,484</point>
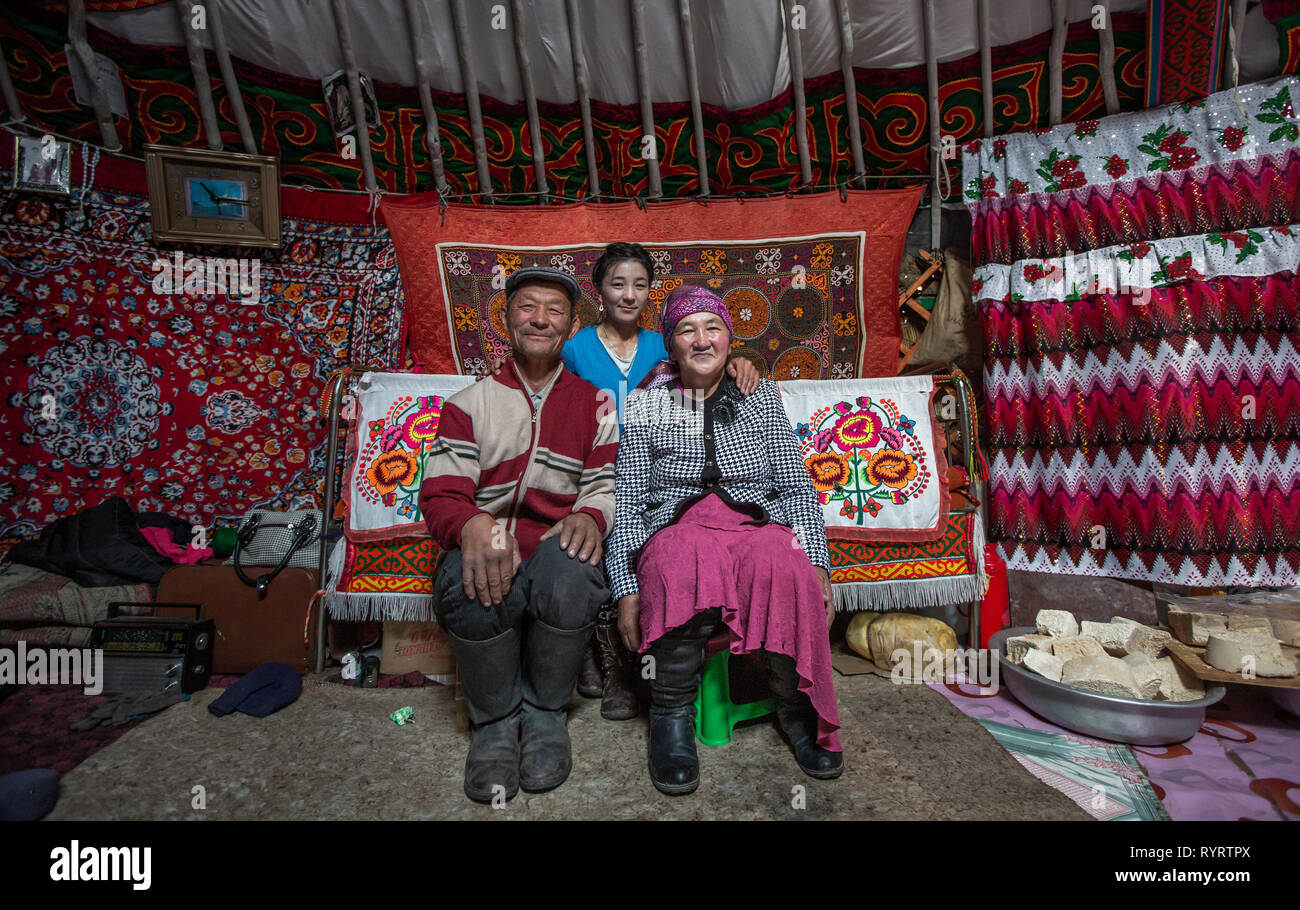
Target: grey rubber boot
<point>552,658</point>
<point>489,674</point>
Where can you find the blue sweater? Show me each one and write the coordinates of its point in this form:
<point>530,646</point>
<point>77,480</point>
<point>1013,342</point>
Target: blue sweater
<point>585,355</point>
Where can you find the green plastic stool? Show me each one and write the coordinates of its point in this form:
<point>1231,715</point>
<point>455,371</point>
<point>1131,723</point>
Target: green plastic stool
<point>716,715</point>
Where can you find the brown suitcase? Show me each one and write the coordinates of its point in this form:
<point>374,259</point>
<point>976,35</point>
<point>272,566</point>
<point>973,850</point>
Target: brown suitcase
<point>250,630</point>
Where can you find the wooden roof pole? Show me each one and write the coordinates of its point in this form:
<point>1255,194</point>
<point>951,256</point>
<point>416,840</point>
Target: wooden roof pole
<point>465,53</point>
<point>1055,56</point>
<point>7,87</point>
<point>795,51</point>
<point>431,140</point>
<point>199,69</point>
<point>86,57</point>
<point>936,140</point>
<point>228,77</point>
<point>1238,26</point>
<point>530,99</point>
<point>693,86</point>
<point>354,90</point>
<point>986,64</point>
<point>643,89</point>
<point>584,95</point>
<point>1106,61</point>
<point>851,92</point>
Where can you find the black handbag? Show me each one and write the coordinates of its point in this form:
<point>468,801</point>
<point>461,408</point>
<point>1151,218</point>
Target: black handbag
<point>278,539</point>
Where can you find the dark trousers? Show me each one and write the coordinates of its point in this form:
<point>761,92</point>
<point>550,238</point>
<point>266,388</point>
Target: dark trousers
<point>562,592</point>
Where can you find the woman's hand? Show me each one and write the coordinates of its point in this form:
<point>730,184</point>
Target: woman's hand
<point>629,621</point>
<point>744,373</point>
<point>828,598</point>
<point>493,367</point>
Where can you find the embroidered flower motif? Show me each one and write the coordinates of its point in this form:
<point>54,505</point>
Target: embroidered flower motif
<point>847,510</point>
<point>892,437</point>
<point>1018,187</point>
<point>713,261</point>
<point>1116,167</point>
<point>768,261</point>
<point>458,262</point>
<point>907,425</point>
<point>390,471</point>
<point>1178,269</point>
<point>973,147</point>
<point>999,149</point>
<point>1232,137</point>
<point>389,438</point>
<point>844,324</point>
<point>842,276</point>
<point>821,256</point>
<point>827,470</point>
<point>891,468</point>
<point>466,319</point>
<point>1061,172</point>
<point>745,314</point>
<point>803,431</point>
<point>1173,144</point>
<point>872,507</point>
<point>857,430</point>
<point>1278,110</point>
<point>422,426</point>
<point>1085,128</point>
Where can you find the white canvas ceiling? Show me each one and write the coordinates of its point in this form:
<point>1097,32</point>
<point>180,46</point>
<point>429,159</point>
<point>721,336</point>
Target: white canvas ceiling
<point>740,45</point>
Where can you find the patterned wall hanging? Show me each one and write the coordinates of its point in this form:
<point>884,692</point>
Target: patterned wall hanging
<point>394,424</point>
<point>807,304</point>
<point>192,402</point>
<point>1137,281</point>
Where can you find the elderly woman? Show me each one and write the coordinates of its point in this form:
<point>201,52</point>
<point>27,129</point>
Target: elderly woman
<point>715,521</point>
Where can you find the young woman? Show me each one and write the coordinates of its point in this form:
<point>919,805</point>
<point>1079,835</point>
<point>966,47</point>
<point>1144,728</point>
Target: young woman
<point>615,355</point>
<point>716,522</point>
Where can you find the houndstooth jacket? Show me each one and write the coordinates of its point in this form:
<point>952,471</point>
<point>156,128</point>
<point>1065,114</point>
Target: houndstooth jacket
<point>663,459</point>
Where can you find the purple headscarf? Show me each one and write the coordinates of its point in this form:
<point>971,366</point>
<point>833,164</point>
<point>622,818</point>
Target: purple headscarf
<point>687,300</point>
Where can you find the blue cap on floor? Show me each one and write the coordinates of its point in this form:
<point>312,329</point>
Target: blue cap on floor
<point>27,796</point>
<point>266,689</point>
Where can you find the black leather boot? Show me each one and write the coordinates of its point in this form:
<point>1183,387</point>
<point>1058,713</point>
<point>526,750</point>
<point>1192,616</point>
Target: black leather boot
<point>489,675</point>
<point>678,656</point>
<point>797,721</point>
<point>552,658</point>
<point>591,683</point>
<point>618,700</point>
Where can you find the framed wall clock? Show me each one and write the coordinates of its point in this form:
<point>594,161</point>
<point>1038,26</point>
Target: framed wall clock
<point>204,196</point>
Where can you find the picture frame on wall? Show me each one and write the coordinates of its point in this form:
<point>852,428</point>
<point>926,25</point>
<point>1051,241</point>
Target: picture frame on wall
<point>206,196</point>
<point>42,164</point>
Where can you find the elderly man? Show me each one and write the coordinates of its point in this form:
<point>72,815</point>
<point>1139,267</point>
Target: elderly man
<point>519,492</point>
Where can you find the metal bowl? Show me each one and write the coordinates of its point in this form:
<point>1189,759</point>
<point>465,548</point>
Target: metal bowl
<point>1121,720</point>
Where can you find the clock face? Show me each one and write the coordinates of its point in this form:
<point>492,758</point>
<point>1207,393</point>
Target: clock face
<point>226,200</point>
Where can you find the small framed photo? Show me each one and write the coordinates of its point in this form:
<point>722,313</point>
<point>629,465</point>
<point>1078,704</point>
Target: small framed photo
<point>205,196</point>
<point>42,164</point>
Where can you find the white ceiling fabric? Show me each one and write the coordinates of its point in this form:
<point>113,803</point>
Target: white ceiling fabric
<point>740,45</point>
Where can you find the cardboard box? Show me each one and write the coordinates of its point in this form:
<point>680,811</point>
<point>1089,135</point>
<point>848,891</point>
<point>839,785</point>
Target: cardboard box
<point>422,646</point>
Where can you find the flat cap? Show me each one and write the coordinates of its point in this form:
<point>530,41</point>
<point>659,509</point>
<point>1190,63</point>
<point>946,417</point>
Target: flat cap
<point>543,273</point>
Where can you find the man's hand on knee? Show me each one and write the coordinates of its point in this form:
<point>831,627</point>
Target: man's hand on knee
<point>489,558</point>
<point>579,537</point>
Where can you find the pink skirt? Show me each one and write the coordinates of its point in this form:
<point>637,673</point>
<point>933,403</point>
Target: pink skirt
<point>770,595</point>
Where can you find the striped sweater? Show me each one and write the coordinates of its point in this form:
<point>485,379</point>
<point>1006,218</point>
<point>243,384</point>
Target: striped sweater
<point>526,467</point>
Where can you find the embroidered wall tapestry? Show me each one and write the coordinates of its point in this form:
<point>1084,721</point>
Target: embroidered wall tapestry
<point>393,425</point>
<point>1137,281</point>
<point>875,455</point>
<point>810,281</point>
<point>192,403</point>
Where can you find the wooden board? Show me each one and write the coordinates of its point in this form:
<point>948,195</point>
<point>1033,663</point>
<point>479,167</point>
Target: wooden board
<point>1193,659</point>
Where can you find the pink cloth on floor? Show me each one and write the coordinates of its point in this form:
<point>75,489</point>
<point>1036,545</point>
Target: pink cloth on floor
<point>770,595</point>
<point>161,540</point>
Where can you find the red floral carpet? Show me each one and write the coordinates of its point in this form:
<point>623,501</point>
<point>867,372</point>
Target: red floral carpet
<point>198,405</point>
